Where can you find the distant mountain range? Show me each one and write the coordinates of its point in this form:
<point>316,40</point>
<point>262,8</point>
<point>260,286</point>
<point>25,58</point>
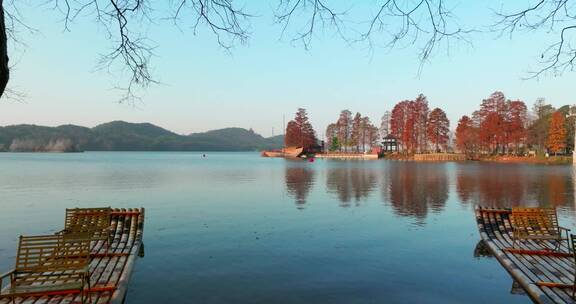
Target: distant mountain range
<point>124,136</point>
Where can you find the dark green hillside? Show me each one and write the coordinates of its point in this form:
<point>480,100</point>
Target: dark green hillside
<point>231,139</point>
<point>124,136</point>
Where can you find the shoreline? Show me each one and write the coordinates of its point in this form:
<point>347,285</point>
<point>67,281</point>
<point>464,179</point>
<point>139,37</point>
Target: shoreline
<point>552,160</point>
<point>432,157</point>
<point>506,159</point>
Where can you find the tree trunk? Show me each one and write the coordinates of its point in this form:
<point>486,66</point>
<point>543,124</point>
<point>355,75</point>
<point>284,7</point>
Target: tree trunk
<point>4,71</point>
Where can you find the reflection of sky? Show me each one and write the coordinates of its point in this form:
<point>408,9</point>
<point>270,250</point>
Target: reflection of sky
<point>251,229</point>
<point>204,88</point>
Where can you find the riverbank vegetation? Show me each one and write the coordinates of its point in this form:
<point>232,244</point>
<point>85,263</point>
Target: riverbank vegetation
<point>502,127</point>
<point>416,128</point>
<point>299,131</point>
<point>351,134</point>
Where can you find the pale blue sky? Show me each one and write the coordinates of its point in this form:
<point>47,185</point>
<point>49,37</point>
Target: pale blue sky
<point>204,88</point>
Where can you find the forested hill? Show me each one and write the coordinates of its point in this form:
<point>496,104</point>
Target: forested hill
<point>124,136</point>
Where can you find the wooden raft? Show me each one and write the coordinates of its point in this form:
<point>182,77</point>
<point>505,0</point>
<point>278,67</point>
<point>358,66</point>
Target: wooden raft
<point>110,268</point>
<point>527,269</point>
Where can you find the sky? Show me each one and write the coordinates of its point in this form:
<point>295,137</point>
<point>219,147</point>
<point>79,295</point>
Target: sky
<point>256,85</point>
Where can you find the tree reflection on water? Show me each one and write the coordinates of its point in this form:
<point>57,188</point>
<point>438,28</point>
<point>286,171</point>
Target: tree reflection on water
<point>299,181</point>
<point>504,186</point>
<point>413,189</point>
<point>351,183</point>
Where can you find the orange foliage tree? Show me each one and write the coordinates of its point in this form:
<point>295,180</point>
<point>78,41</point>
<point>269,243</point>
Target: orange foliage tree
<point>557,133</point>
<point>408,122</point>
<point>356,132</point>
<point>466,135</point>
<point>438,129</point>
<point>491,117</point>
<point>398,121</point>
<point>502,124</point>
<point>299,131</point>
<point>516,117</point>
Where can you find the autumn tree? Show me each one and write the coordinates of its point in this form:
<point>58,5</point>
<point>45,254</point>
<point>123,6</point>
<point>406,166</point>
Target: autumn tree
<point>538,130</point>
<point>344,124</point>
<point>420,112</point>
<point>557,133</point>
<point>398,120</point>
<point>299,132</point>
<point>570,122</point>
<point>491,116</point>
<point>408,122</point>
<point>292,137</point>
<point>438,129</point>
<point>368,134</point>
<point>516,120</point>
<point>356,132</point>
<point>491,132</point>
<point>466,136</point>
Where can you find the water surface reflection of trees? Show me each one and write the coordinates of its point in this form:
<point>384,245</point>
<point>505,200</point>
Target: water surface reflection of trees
<point>299,181</point>
<point>505,185</point>
<point>351,183</point>
<point>413,189</point>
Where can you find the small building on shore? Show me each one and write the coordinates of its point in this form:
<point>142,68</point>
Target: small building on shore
<point>390,144</point>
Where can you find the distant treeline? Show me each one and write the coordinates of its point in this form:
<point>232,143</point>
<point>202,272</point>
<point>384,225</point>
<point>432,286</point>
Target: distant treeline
<point>417,129</point>
<point>411,123</point>
<point>499,127</point>
<point>349,133</point>
<point>124,136</point>
<point>502,126</point>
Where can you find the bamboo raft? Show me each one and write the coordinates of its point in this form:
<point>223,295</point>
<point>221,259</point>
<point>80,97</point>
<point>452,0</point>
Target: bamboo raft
<point>546,277</point>
<point>110,268</point>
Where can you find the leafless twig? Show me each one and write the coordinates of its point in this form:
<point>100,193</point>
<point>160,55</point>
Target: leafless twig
<point>123,21</point>
<point>227,22</point>
<point>422,23</point>
<point>315,13</point>
<point>557,17</point>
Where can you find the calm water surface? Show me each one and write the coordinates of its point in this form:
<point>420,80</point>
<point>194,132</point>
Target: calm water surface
<point>237,228</point>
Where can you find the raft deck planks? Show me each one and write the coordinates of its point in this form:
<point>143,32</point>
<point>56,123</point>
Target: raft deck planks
<point>526,269</point>
<point>110,268</point>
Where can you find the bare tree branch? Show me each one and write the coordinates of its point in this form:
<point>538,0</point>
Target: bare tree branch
<point>557,17</point>
<point>316,13</point>
<point>123,21</point>
<point>422,23</point>
<point>228,23</point>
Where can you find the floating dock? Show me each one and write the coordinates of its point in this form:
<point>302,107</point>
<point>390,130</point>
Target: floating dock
<point>110,268</point>
<point>442,157</point>
<point>361,156</point>
<point>540,274</point>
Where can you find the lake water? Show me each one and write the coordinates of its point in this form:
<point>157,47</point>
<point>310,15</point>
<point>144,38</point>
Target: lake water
<point>238,228</point>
